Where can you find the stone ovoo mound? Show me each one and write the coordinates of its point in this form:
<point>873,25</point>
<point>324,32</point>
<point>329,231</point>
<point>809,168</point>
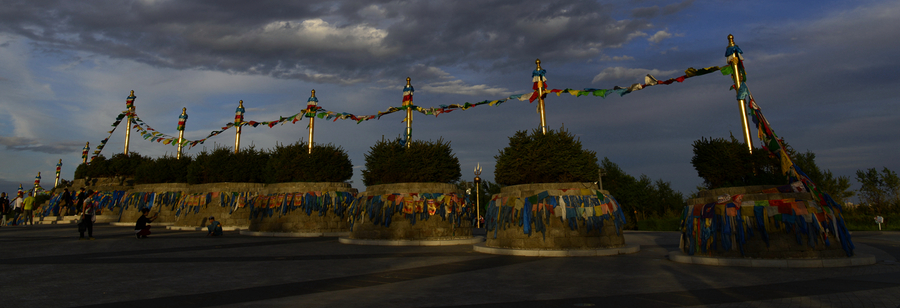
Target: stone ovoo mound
<point>554,216</point>
<point>410,212</point>
<point>773,222</point>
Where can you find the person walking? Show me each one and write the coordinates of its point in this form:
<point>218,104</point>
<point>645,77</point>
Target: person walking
<point>17,210</point>
<point>29,210</point>
<point>4,209</point>
<point>87,220</point>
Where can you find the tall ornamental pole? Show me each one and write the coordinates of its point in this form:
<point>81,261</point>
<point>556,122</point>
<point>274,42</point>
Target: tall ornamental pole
<point>539,85</point>
<point>478,196</point>
<point>129,104</point>
<point>37,184</point>
<point>311,107</point>
<point>84,152</point>
<point>408,103</point>
<point>21,192</point>
<point>238,122</point>
<point>733,53</point>
<point>181,121</point>
<point>58,167</point>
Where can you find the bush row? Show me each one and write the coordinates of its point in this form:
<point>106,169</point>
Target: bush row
<point>291,163</point>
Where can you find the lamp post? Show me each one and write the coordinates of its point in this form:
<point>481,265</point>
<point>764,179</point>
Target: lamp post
<point>478,196</point>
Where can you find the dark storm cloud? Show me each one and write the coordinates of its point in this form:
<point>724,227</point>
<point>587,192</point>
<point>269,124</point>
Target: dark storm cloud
<point>27,144</point>
<point>324,41</point>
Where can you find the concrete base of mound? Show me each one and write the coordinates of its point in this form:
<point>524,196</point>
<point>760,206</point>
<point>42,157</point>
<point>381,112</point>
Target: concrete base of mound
<point>295,234</point>
<point>857,260</point>
<point>190,228</point>
<point>447,242</point>
<point>131,224</point>
<point>599,252</point>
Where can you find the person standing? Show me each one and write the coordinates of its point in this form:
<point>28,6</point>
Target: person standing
<point>141,229</point>
<point>4,209</point>
<point>87,220</point>
<point>66,202</point>
<point>29,210</point>
<point>81,196</point>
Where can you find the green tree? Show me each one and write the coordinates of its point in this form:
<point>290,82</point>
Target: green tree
<point>727,163</point>
<point>554,157</point>
<point>424,161</point>
<point>641,198</point>
<point>837,187</point>
<point>880,191</point>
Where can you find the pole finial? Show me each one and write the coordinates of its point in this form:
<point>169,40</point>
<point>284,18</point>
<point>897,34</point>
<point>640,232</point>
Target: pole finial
<point>407,81</point>
<point>183,110</point>
<point>730,40</point>
<point>241,103</point>
<point>538,62</point>
<point>60,160</point>
<point>132,92</point>
<point>313,93</point>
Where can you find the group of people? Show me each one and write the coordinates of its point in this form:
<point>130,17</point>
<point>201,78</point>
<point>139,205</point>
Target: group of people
<point>12,210</point>
<point>20,206</point>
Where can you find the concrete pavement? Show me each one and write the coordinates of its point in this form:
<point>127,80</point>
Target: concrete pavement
<point>46,266</point>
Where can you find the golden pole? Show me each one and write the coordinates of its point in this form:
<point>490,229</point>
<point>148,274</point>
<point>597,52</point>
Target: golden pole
<point>540,89</point>
<point>129,102</point>
<point>84,152</point>
<point>310,108</point>
<point>477,196</point>
<point>182,120</point>
<point>58,167</point>
<point>734,59</point>
<point>407,101</point>
<point>37,183</point>
<point>238,121</point>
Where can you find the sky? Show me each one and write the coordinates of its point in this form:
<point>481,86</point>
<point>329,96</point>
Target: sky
<point>824,75</point>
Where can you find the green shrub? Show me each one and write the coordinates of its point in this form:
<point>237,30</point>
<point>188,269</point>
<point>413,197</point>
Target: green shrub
<point>166,169</point>
<point>424,161</point>
<point>223,165</point>
<point>294,163</point>
<point>727,163</point>
<point>555,157</point>
<point>118,165</point>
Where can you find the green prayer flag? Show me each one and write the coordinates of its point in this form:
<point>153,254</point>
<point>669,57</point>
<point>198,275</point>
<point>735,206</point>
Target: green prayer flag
<point>728,70</point>
<point>600,93</point>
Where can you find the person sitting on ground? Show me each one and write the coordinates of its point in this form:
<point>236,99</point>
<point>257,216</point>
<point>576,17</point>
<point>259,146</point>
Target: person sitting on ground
<point>214,227</point>
<point>141,227</point>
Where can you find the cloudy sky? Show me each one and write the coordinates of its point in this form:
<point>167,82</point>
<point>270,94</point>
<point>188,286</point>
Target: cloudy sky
<point>823,75</point>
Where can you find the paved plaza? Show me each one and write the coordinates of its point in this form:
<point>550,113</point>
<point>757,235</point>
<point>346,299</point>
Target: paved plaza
<point>46,266</point>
